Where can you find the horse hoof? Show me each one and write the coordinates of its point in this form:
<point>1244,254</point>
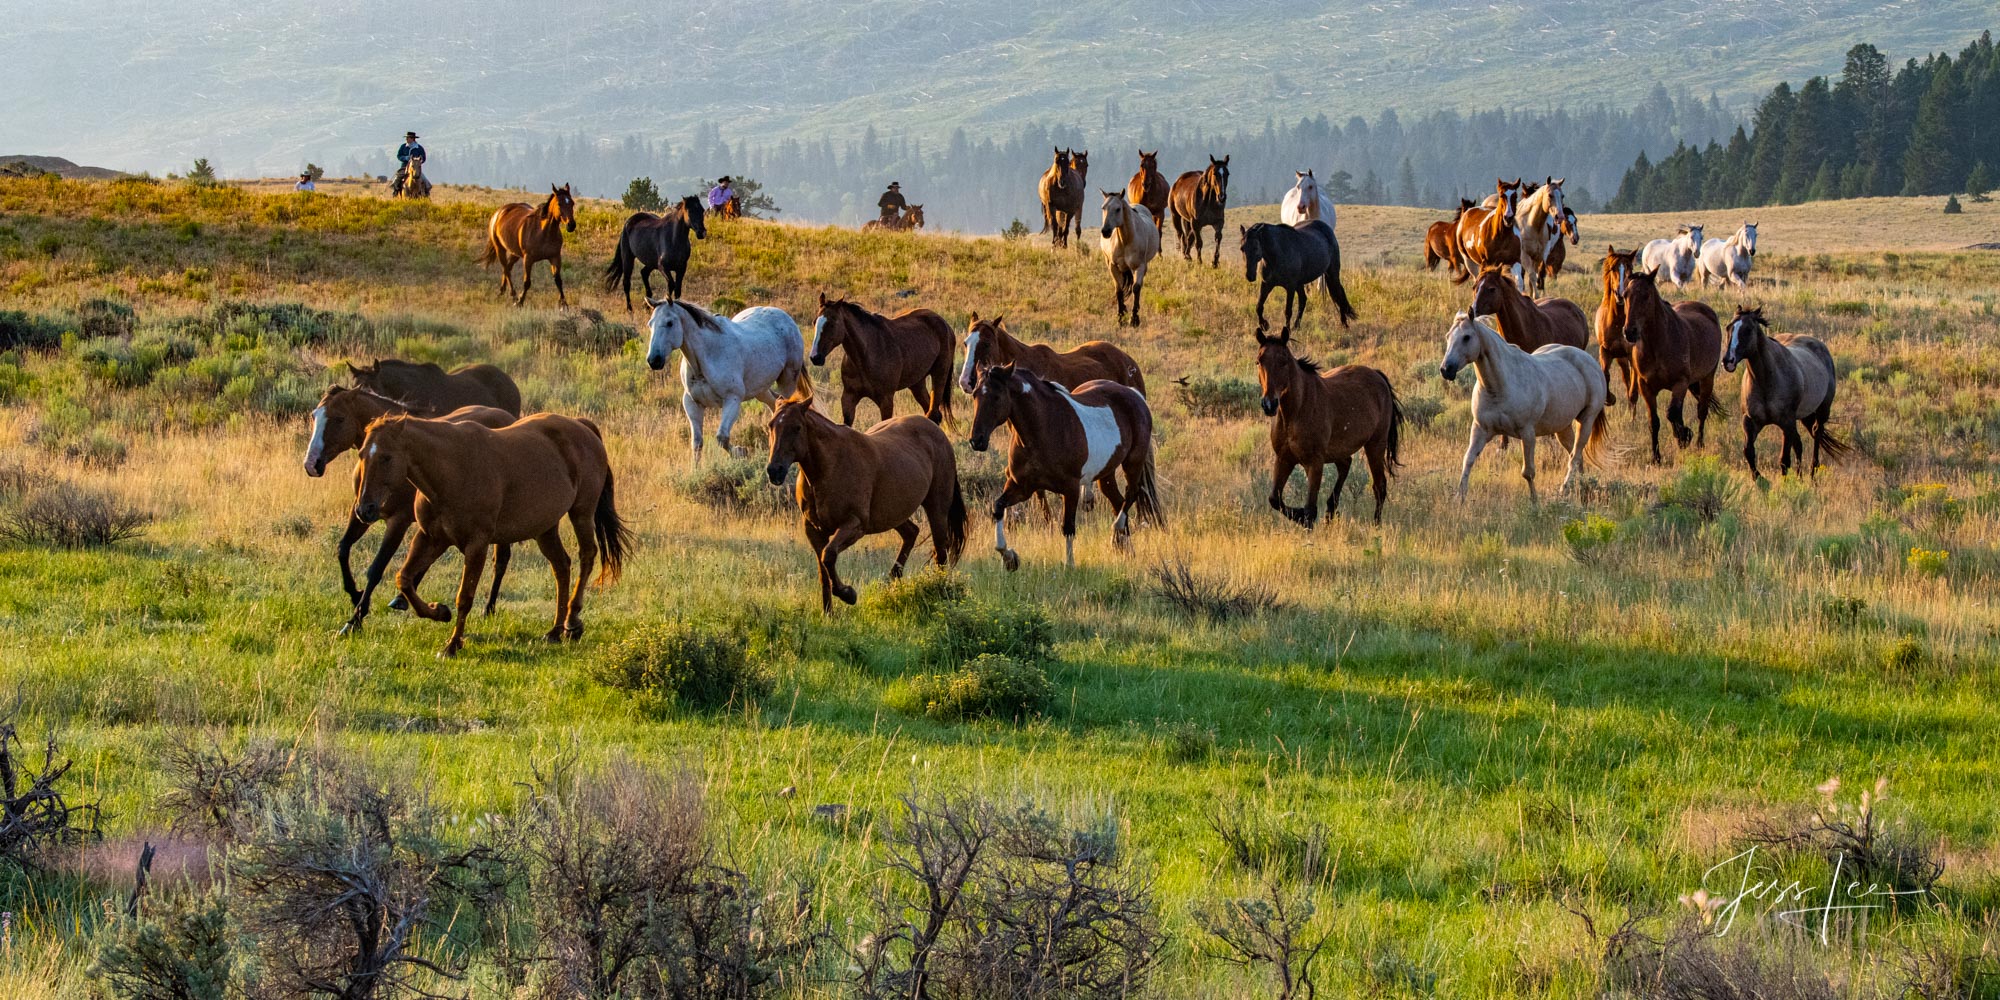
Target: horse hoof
<point>1010,560</point>
<point>398,603</point>
<point>573,633</point>
<point>353,627</point>
<point>450,650</point>
<point>896,572</point>
<point>845,593</point>
<point>553,635</point>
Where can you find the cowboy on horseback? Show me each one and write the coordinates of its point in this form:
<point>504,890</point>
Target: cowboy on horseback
<point>409,150</point>
<point>721,194</point>
<point>891,203</point>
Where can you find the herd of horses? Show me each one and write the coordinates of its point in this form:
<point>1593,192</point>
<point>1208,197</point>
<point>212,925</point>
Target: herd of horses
<point>452,455</point>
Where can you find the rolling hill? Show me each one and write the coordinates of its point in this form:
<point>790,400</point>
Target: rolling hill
<point>259,89</point>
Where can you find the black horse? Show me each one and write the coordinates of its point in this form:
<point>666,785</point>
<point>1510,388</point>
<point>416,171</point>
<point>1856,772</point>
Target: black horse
<point>659,242</point>
<point>1292,258</point>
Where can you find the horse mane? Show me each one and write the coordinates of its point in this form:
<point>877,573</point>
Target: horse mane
<point>1306,364</point>
<point>416,365</point>
<point>701,316</point>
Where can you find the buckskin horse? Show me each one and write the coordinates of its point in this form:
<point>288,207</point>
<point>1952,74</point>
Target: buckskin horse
<point>338,424</point>
<point>1790,381</point>
<point>520,232</point>
<point>1326,417</point>
<point>854,484</point>
<point>656,242</point>
<point>1064,441</point>
<point>884,356</point>
<point>1556,390</point>
<point>1490,236</point>
<point>1062,197</point>
<point>1130,243</point>
<point>478,487</point>
<point>725,361</point>
<point>1675,349</point>
<point>1199,201</point>
<point>1148,188</point>
<point>1292,258</point>
<point>987,343</point>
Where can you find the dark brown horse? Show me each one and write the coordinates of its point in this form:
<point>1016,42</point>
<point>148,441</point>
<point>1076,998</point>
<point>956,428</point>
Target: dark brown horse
<point>1199,200</point>
<point>885,355</point>
<point>987,343</point>
<point>429,391</point>
<point>1616,268</point>
<point>1528,324</point>
<point>521,232</point>
<point>1791,380</point>
<point>1148,188</point>
<point>1676,349</point>
<point>1441,242</point>
<point>339,422</point>
<point>1064,441</point>
<point>1062,198</point>
<point>911,218</point>
<point>1486,236</point>
<point>1326,417</point>
<point>852,485</point>
<point>656,242</point>
<point>481,487</point>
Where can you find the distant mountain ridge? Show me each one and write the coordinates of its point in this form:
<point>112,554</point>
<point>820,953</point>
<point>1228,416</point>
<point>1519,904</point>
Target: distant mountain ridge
<point>263,88</point>
<point>58,166</point>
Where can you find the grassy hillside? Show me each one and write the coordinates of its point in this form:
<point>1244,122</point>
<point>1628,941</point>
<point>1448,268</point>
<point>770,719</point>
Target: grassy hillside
<point>1489,716</point>
<point>267,88</point>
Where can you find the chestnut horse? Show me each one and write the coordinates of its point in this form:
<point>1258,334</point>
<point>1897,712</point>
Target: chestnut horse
<point>1441,242</point>
<point>1791,381</point>
<point>987,343</point>
<point>1326,417</point>
<point>1490,236</point>
<point>1528,323</point>
<point>1062,198</point>
<point>1063,441</point>
<point>1617,268</point>
<point>854,484</point>
<point>478,487</point>
<point>520,232</point>
<point>1199,200</point>
<point>339,422</point>
<point>1130,242</point>
<point>430,391</point>
<point>1676,348</point>
<point>1148,188</point>
<point>656,243</point>
<point>885,355</point>
<point>911,218</point>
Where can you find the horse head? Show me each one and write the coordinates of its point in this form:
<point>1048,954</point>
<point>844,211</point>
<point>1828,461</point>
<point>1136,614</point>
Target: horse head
<point>697,219</point>
<point>979,335</point>
<point>562,206</point>
<point>1276,369</point>
<point>1640,298</point>
<point>1510,199</point>
<point>993,401</point>
<point>1746,331</point>
<point>1490,293</point>
<point>915,216</point>
<point>1149,162</point>
<point>385,465</point>
<point>1115,209</point>
<point>1748,234</point>
<point>829,328</point>
<point>1252,249</point>
<point>787,431</point>
<point>1081,163</point>
<point>1218,173</point>
<point>1464,344</point>
<point>669,332</point>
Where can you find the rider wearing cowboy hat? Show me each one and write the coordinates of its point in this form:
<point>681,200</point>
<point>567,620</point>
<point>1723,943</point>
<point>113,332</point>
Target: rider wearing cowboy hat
<point>409,150</point>
<point>720,194</point>
<point>305,182</point>
<point>891,203</point>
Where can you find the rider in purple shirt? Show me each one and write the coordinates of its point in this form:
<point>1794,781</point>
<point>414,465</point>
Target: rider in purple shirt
<point>720,194</point>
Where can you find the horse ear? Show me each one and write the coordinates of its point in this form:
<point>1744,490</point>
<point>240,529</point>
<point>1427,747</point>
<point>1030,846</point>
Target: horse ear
<point>822,298</point>
<point>999,321</point>
<point>974,321</point>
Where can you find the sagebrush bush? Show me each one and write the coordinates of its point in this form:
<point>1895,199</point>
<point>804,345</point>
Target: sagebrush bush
<point>69,516</point>
<point>185,951</point>
<point>1212,396</point>
<point>735,484</point>
<point>1215,598</point>
<point>1589,537</point>
<point>689,664</point>
<point>1702,488</point>
<point>921,595</point>
<point>29,330</point>
<point>990,686</point>
<point>965,631</point>
<point>105,318</point>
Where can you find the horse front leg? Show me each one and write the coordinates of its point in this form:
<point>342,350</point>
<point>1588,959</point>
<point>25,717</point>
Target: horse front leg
<point>725,428</point>
<point>697,418</point>
<point>1314,471</point>
<point>356,528</point>
<point>468,592</point>
<point>829,558</point>
<point>1653,416</point>
<point>1263,294</point>
<point>1281,475</point>
<point>1528,465</point>
<point>1217,262</point>
<point>527,280</point>
<point>424,550</point>
<point>1292,303</point>
<point>392,539</point>
<point>1750,429</point>
<point>1138,282</point>
<point>555,268</point>
<point>1010,495</point>
<point>907,531</point>
<point>1480,435</point>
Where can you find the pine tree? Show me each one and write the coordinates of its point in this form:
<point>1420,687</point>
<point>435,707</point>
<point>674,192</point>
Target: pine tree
<point>1406,184</point>
<point>1933,162</point>
<point>1767,145</point>
<point>1978,182</point>
<point>1809,142</point>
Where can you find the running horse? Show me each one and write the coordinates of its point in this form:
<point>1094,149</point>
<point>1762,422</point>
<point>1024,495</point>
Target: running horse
<point>1064,441</point>
<point>1292,258</point>
<point>854,484</point>
<point>1728,261</point>
<point>1528,324</point>
<point>725,361</point>
<point>1674,259</point>
<point>1326,417</point>
<point>430,391</point>
<point>479,487</point>
<point>1616,269</point>
<point>1441,242</point>
<point>1062,197</point>
<point>1130,243</point>
<point>987,343</point>
<point>520,232</point>
<point>1676,349</point>
<point>1790,381</point>
<point>1148,188</point>
<point>1199,201</point>
<point>656,242</point>
<point>1556,390</point>
<point>1539,216</point>
<point>884,356</point>
<point>1489,236</point>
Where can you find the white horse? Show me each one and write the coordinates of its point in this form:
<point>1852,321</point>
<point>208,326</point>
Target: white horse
<point>726,361</point>
<point>1674,258</point>
<point>1306,202</point>
<point>1130,242</point>
<point>1556,390</point>
<point>1728,261</point>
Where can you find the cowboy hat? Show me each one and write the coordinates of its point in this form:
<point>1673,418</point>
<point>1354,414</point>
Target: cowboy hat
<point>896,184</point>
<point>724,179</point>
<point>409,135</point>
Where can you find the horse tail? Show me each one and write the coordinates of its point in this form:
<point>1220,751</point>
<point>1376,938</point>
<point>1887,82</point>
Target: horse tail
<point>953,528</point>
<point>1394,462</point>
<point>1833,447</point>
<point>1431,257</point>
<point>1337,291</point>
<point>492,248</point>
<point>1146,491</point>
<point>621,263</point>
<point>1715,403</point>
<point>1594,450</point>
<point>613,535</point>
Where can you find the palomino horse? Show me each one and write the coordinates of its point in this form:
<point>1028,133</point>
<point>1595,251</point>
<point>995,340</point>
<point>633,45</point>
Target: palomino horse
<point>430,391</point>
<point>725,361</point>
<point>912,217</point>
<point>1675,348</point>
<point>1064,441</point>
<point>1791,381</point>
<point>1556,390</point>
<point>1305,202</point>
<point>1441,242</point>
<point>414,184</point>
<point>1148,188</point>
<point>885,355</point>
<point>1130,242</point>
<point>1728,261</point>
<point>1539,216</point>
<point>1674,259</point>
<point>522,233</point>
<point>1490,236</point>
<point>854,484</point>
<point>1199,199</point>
<point>1528,324</point>
<point>339,422</point>
<point>1326,417</point>
<point>1617,269</point>
<point>1062,197</point>
<point>656,242</point>
<point>479,486</point>
<point>1292,258</point>
<point>1552,265</point>
<point>987,343</point>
